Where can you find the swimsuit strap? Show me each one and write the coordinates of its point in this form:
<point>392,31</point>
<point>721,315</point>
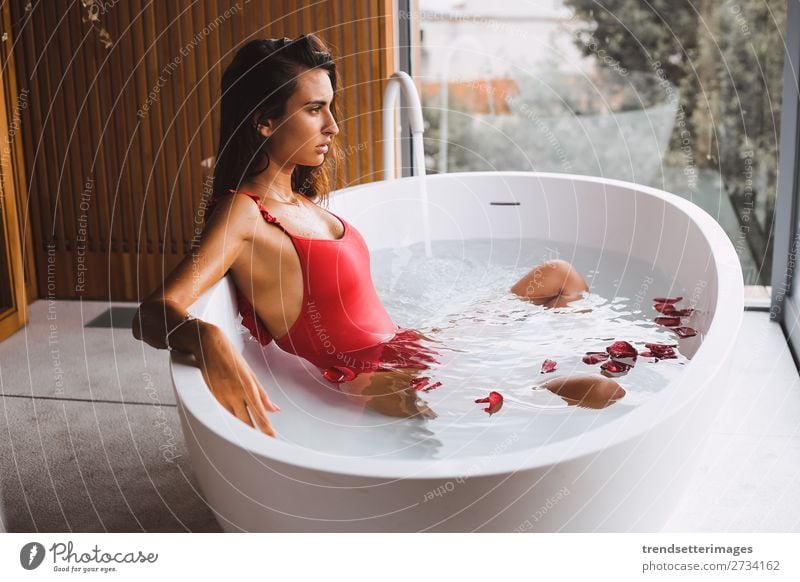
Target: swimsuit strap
<point>264,212</point>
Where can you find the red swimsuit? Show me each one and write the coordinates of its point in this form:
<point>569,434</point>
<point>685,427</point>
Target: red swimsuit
<point>343,328</point>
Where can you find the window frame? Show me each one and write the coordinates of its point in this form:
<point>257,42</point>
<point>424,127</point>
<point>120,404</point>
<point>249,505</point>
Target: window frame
<point>786,204</point>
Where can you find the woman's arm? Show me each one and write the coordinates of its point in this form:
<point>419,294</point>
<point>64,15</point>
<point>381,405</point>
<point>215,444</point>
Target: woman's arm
<point>158,315</point>
<point>226,236</point>
<point>223,239</point>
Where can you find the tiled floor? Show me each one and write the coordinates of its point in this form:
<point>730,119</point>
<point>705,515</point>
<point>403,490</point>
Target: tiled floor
<point>91,439</point>
<point>749,479</point>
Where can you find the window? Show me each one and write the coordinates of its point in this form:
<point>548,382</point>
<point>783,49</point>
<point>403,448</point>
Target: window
<point>682,96</point>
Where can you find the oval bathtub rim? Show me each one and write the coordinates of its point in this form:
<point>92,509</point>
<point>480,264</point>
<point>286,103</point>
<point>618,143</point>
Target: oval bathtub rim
<point>673,399</point>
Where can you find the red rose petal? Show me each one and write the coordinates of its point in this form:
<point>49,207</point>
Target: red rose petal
<point>548,366</point>
<point>686,312</point>
<point>666,299</point>
<point>432,386</point>
<point>662,351</point>
<point>621,349</point>
<point>337,374</point>
<point>495,401</point>
<point>613,368</point>
<point>623,353</point>
<point>594,357</point>
<point>420,382</point>
<point>669,309</point>
<point>657,348</point>
<point>685,331</point>
<point>668,321</point>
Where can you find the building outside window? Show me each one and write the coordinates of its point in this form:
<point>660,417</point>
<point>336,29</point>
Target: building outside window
<point>684,97</point>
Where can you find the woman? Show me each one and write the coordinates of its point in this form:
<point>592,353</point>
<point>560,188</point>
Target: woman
<point>278,123</point>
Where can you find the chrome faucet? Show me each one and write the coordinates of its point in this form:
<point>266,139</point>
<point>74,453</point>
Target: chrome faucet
<point>401,80</point>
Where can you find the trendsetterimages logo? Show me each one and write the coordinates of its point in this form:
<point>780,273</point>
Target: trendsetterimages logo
<point>66,560</point>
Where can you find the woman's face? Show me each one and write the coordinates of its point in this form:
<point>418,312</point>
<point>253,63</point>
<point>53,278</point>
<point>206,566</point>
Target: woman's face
<point>308,122</point>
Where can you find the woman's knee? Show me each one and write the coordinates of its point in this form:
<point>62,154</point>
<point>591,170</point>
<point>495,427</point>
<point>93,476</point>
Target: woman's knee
<point>573,280</point>
<point>536,283</point>
<point>550,279</point>
<point>589,391</point>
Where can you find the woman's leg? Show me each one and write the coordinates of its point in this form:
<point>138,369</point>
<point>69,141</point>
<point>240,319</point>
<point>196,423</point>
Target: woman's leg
<point>552,284</point>
<point>586,390</point>
<point>555,284</point>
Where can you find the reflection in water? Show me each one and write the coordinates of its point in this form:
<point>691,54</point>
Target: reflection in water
<point>389,392</point>
<point>411,438</point>
<point>392,393</point>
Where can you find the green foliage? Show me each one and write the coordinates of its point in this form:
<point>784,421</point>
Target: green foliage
<point>460,158</point>
<point>726,57</point>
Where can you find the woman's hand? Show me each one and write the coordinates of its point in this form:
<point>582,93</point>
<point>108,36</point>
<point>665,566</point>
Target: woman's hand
<point>232,381</point>
<point>389,393</point>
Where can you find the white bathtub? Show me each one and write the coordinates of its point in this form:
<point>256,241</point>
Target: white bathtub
<point>626,475</point>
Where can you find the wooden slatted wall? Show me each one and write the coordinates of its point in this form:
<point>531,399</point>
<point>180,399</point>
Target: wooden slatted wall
<point>114,186</point>
<point>16,256</point>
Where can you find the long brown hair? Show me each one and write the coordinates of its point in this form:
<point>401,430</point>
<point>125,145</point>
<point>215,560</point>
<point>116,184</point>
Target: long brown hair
<point>257,85</point>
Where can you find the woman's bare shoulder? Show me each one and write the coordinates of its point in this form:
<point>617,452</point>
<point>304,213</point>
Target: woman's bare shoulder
<point>235,213</point>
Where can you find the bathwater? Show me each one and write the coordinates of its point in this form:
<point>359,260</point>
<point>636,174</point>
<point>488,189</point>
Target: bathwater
<point>492,340</point>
